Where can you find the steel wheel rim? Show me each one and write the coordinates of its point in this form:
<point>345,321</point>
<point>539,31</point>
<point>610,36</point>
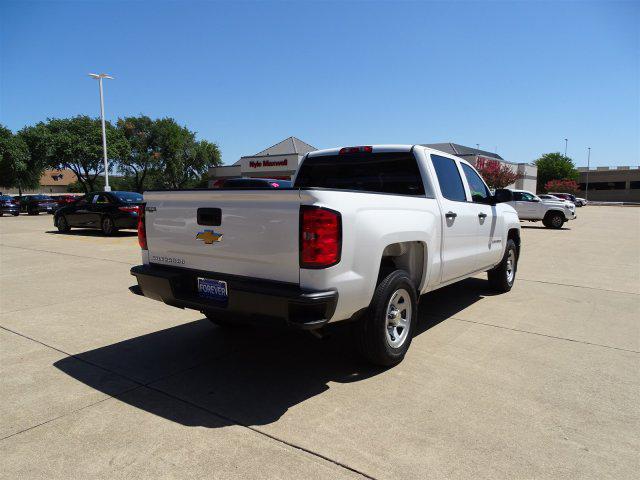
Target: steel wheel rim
<point>62,222</point>
<point>511,266</point>
<point>398,318</point>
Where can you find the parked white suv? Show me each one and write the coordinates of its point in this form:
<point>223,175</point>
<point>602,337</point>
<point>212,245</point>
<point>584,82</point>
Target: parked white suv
<point>361,235</point>
<point>530,207</point>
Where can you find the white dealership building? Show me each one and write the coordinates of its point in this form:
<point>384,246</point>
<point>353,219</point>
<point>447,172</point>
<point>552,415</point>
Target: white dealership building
<point>282,160</point>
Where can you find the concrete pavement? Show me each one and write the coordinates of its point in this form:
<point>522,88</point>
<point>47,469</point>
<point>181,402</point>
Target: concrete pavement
<point>543,382</point>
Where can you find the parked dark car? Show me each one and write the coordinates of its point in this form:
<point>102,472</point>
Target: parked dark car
<point>9,206</point>
<point>34,204</point>
<point>107,211</point>
<point>250,183</point>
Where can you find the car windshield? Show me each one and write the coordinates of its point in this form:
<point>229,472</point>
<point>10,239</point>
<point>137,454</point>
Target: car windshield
<point>128,197</point>
<point>6,198</point>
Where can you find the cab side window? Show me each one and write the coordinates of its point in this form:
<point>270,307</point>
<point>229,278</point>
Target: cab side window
<point>449,178</point>
<point>102,200</point>
<point>479,191</point>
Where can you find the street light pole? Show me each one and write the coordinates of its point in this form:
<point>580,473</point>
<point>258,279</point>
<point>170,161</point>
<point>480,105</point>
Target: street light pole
<point>99,77</point>
<point>566,142</point>
<point>586,188</point>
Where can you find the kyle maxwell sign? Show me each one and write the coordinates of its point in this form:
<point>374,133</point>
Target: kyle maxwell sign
<point>268,163</point>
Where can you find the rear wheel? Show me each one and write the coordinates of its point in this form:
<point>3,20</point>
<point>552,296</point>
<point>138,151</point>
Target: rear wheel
<point>384,333</point>
<point>108,227</point>
<point>502,277</point>
<point>15,214</point>
<point>32,212</point>
<point>62,224</point>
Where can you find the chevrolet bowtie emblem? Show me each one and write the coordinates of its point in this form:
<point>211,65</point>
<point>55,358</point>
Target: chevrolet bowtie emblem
<point>209,236</point>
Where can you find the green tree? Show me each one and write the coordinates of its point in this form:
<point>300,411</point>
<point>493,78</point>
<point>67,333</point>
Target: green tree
<point>76,144</point>
<point>183,160</point>
<point>17,167</point>
<point>555,166</point>
<point>143,158</point>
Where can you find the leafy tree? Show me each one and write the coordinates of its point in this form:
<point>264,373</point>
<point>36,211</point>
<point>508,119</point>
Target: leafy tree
<point>496,174</point>
<point>562,186</point>
<point>555,166</point>
<point>76,144</point>
<point>183,160</point>
<point>17,167</point>
<point>143,158</point>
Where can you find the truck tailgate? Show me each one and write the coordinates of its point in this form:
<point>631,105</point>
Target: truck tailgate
<point>257,234</point>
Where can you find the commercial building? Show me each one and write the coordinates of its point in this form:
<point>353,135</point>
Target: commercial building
<point>528,174</point>
<point>605,184</point>
<point>278,161</point>
<point>282,160</point>
<point>51,181</point>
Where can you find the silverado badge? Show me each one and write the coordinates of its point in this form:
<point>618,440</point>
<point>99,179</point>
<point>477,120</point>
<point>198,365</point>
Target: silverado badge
<point>209,236</point>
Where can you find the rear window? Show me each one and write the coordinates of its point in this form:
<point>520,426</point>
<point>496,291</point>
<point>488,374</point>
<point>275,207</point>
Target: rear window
<point>386,172</point>
<point>42,197</point>
<point>128,197</point>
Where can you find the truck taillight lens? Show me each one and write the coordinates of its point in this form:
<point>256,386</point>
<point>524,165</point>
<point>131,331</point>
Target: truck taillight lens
<point>320,237</point>
<point>142,229</point>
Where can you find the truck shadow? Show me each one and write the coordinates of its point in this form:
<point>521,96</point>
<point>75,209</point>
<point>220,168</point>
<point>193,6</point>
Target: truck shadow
<point>249,375</point>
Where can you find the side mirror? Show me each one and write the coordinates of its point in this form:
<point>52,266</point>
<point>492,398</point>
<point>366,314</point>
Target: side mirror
<point>503,195</point>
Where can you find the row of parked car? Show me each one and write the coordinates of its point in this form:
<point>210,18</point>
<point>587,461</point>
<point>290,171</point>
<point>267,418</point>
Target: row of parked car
<point>33,204</point>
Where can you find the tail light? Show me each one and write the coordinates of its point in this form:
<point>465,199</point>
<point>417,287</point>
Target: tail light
<point>132,209</point>
<point>320,237</point>
<point>142,228</point>
<point>361,149</point>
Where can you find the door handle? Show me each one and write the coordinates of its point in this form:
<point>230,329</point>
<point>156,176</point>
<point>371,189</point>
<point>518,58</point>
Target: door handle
<point>451,215</point>
<point>482,216</point>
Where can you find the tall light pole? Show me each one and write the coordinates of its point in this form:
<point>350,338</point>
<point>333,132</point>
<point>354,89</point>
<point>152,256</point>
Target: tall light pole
<point>99,77</point>
<point>586,188</point>
<point>566,142</point>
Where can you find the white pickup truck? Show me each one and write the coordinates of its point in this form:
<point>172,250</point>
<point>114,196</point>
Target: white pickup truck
<point>532,208</point>
<point>363,232</point>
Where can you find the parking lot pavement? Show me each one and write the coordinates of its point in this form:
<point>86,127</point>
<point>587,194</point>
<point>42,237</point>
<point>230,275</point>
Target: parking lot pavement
<point>542,382</point>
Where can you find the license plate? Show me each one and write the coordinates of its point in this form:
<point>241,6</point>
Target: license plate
<point>212,289</point>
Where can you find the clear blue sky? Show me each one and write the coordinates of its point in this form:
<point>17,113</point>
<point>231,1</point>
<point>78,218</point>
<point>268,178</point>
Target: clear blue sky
<point>521,76</point>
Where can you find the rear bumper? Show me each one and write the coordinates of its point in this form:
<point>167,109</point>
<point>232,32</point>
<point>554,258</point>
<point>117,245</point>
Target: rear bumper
<point>249,299</point>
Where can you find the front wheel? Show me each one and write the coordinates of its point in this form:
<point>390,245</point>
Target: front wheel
<point>502,277</point>
<point>384,333</point>
<point>554,220</point>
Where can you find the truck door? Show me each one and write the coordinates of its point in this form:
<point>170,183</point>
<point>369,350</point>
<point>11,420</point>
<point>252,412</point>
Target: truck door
<point>527,206</point>
<point>490,225</point>
<point>460,222</point>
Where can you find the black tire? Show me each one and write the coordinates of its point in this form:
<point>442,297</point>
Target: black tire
<point>32,212</point>
<point>500,278</point>
<point>107,226</point>
<point>554,220</point>
<point>371,331</point>
<point>15,214</point>
<point>62,224</point>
